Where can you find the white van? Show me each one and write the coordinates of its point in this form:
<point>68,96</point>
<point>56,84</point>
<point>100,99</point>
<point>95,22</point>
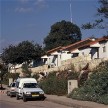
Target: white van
<point>28,88</point>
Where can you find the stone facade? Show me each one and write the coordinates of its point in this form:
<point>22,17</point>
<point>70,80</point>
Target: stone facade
<point>77,62</point>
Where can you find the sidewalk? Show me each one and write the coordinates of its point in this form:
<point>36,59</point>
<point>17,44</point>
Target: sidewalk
<point>74,103</point>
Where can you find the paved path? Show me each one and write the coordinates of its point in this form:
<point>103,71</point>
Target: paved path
<point>70,102</point>
<point>74,103</point>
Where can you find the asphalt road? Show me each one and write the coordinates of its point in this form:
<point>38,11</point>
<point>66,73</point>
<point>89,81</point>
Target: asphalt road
<point>7,102</point>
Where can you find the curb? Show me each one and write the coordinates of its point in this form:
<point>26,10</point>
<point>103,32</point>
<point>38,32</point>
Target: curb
<point>67,103</point>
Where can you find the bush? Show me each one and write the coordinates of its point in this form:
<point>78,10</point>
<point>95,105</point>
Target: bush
<point>96,87</point>
<point>53,85</point>
<point>73,75</point>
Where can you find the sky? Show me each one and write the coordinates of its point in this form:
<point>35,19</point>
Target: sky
<point>22,20</point>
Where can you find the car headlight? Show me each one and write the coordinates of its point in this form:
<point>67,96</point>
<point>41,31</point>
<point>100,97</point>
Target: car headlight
<point>41,92</point>
<point>28,92</point>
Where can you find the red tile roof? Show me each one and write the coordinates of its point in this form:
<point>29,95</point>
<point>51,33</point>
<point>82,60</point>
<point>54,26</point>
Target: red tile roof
<point>79,44</point>
<point>91,43</point>
<point>54,50</point>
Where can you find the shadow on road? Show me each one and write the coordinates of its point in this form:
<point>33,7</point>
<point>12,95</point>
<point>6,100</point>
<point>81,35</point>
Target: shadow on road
<point>2,88</point>
<point>37,99</point>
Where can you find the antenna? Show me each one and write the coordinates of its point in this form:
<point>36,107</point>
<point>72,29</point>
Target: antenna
<point>70,11</point>
<point>42,44</point>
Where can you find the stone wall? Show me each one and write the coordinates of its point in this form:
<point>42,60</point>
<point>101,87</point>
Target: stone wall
<point>39,69</point>
<point>92,64</point>
<point>77,65</point>
<point>35,69</point>
<point>76,59</point>
<point>77,62</point>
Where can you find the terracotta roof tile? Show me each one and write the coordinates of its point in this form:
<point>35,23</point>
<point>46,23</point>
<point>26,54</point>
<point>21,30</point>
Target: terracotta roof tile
<point>91,43</point>
<point>79,44</point>
<point>54,49</point>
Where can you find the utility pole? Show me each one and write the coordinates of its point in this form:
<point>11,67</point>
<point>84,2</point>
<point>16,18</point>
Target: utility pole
<point>70,11</point>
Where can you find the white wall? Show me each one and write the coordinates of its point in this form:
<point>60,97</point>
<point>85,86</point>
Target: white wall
<point>65,55</point>
<point>50,59</point>
<point>101,53</point>
<point>56,57</point>
<point>85,51</point>
<point>92,51</point>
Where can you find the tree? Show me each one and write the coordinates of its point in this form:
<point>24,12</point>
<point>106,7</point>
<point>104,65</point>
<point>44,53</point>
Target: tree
<point>26,71</point>
<point>3,71</point>
<point>9,54</point>
<point>61,34</point>
<point>23,52</point>
<point>102,22</point>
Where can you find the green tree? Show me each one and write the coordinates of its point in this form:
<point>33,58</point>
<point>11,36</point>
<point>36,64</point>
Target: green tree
<point>7,55</point>
<point>26,71</point>
<point>102,22</point>
<point>3,71</point>
<point>61,34</point>
<point>23,52</point>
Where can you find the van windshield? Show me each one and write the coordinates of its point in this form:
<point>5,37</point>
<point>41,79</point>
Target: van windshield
<point>30,85</point>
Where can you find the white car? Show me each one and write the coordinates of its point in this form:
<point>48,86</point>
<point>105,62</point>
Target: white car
<point>28,88</point>
<point>11,90</point>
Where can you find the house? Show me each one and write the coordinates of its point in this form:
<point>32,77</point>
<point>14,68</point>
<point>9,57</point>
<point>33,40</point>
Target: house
<point>88,49</point>
<point>52,57</point>
<point>94,47</point>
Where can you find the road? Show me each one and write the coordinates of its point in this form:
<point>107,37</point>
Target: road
<point>7,102</point>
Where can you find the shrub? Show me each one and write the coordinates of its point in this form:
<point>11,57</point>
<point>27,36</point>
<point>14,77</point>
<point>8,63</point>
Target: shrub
<point>96,87</point>
<point>36,76</point>
<point>53,85</point>
<point>73,75</point>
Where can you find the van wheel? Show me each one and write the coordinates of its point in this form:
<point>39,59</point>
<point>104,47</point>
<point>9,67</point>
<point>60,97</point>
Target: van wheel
<point>17,97</point>
<point>24,99</point>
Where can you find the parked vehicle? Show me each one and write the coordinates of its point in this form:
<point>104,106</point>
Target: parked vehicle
<point>11,90</point>
<point>28,88</point>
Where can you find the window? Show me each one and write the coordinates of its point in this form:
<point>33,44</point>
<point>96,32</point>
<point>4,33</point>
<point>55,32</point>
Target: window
<point>104,49</point>
<point>30,85</point>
